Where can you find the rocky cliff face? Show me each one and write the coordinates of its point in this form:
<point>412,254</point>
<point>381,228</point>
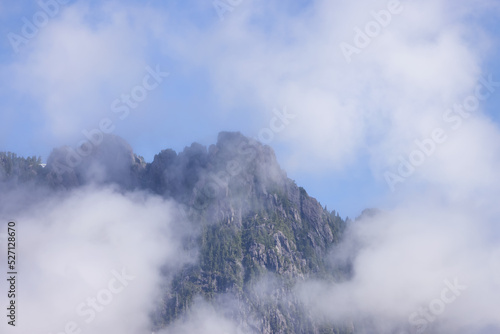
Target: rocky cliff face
<point>259,233</point>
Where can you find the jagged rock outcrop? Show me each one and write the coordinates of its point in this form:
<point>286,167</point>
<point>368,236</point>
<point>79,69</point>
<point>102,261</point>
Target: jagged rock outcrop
<point>259,233</point>
<point>111,161</point>
<point>256,223</point>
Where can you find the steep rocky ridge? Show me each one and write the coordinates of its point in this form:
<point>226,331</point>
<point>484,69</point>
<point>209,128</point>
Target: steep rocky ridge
<point>259,233</point>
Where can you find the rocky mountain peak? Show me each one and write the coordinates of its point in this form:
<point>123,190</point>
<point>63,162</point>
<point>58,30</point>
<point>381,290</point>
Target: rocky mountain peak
<point>251,222</point>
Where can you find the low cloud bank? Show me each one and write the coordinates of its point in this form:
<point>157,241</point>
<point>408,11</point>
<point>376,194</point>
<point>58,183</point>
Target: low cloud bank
<point>425,267</point>
<point>90,260</point>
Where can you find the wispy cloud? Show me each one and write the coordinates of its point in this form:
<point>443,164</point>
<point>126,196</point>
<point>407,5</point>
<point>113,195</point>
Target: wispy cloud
<point>96,259</point>
<point>79,63</point>
<point>440,224</point>
<point>402,261</point>
<point>392,92</point>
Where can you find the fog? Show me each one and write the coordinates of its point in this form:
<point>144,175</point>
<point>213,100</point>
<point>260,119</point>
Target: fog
<point>411,109</point>
<point>404,259</point>
<point>85,243</point>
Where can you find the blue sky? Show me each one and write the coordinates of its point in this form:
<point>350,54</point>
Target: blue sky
<point>369,103</point>
<point>352,119</point>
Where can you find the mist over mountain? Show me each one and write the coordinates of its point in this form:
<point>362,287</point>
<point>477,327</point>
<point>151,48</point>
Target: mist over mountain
<point>219,240</point>
<point>384,111</point>
<point>254,233</point>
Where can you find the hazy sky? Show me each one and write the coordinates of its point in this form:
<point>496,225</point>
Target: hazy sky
<point>231,67</point>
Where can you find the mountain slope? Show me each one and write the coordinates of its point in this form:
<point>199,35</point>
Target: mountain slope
<point>259,234</point>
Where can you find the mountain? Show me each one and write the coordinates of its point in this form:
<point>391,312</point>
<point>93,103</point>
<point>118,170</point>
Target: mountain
<point>259,234</point>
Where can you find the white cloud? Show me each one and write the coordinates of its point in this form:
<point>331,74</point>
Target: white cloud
<point>262,56</point>
<point>403,262</point>
<point>82,61</point>
<point>394,91</point>
<point>203,318</point>
<point>71,248</point>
